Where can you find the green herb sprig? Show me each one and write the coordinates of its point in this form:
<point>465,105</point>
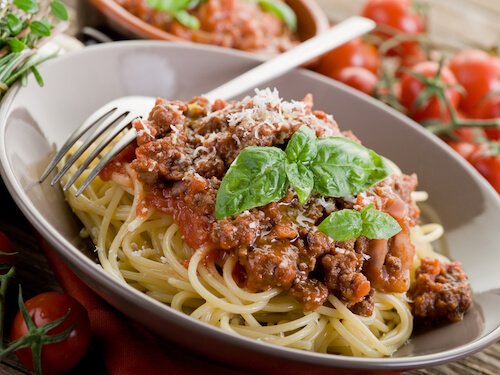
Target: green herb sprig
<point>345,225</point>
<point>332,166</point>
<point>24,25</point>
<point>179,10</point>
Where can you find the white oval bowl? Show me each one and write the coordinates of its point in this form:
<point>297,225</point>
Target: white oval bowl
<point>35,121</point>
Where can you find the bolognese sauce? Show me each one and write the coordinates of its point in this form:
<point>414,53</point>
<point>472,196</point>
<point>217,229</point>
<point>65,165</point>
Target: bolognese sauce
<point>183,151</point>
<point>226,23</point>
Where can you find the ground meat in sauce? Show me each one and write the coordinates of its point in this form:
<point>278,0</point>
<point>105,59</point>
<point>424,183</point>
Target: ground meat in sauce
<point>343,276</point>
<point>228,23</point>
<point>183,151</point>
<point>441,292</point>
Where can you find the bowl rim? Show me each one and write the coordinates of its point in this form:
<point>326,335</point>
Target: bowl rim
<point>75,257</point>
<point>111,9</point>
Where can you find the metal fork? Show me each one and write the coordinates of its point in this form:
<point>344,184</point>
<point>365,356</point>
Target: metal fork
<point>111,119</point>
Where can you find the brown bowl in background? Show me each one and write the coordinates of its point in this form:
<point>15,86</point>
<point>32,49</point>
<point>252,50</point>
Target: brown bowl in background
<point>311,20</point>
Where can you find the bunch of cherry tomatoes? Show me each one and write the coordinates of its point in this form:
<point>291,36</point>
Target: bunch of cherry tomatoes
<point>455,94</point>
<point>51,331</point>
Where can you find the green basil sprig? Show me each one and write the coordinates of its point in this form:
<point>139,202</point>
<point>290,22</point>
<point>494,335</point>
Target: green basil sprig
<point>178,9</point>
<point>300,152</point>
<point>282,11</point>
<point>345,225</point>
<point>257,177</point>
<point>333,167</point>
<point>343,167</point>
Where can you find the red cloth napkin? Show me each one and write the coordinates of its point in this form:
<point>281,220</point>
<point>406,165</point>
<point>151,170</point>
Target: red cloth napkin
<point>129,350</point>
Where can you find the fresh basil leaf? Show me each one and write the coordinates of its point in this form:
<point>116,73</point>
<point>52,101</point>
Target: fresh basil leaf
<point>301,179</point>
<point>16,45</point>
<point>378,224</point>
<point>282,11</point>
<point>169,6</point>
<point>59,10</point>
<point>302,145</point>
<point>342,225</point>
<point>14,24</point>
<point>28,6</point>
<point>40,29</point>
<point>257,177</point>
<point>343,167</point>
<point>187,20</point>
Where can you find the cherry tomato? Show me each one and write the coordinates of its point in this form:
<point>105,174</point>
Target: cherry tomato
<point>400,17</point>
<point>358,78</point>
<point>489,108</point>
<point>45,308</point>
<point>489,167</point>
<point>468,149</point>
<point>353,53</point>
<point>479,75</point>
<point>412,87</point>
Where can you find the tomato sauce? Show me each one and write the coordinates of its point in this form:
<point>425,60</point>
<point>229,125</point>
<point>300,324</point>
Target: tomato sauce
<point>194,224</point>
<point>118,163</point>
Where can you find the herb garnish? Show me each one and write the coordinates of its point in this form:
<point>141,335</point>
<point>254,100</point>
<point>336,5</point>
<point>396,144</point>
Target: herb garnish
<point>23,25</point>
<point>280,10</point>
<point>344,225</point>
<point>332,166</point>
<point>178,9</point>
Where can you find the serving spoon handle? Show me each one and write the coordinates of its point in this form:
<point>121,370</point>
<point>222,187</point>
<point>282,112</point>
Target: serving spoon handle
<point>336,36</point>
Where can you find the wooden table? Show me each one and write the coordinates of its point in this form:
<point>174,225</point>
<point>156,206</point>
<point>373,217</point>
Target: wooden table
<point>36,277</point>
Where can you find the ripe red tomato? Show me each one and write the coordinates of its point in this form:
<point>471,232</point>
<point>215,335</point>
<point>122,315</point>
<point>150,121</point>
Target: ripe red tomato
<point>412,87</point>
<point>489,167</point>
<point>397,14</point>
<point>400,17</point>
<point>468,149</point>
<point>353,53</point>
<point>489,108</point>
<point>359,78</point>
<point>479,75</point>
<point>45,308</point>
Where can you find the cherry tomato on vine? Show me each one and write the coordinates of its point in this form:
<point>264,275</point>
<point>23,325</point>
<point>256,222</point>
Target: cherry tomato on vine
<point>489,108</point>
<point>400,17</point>
<point>43,309</point>
<point>489,167</point>
<point>468,149</point>
<point>479,75</point>
<point>359,78</point>
<point>353,53</point>
<point>412,89</point>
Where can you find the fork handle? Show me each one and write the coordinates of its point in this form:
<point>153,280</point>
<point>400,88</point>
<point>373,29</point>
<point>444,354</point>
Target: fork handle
<point>336,36</point>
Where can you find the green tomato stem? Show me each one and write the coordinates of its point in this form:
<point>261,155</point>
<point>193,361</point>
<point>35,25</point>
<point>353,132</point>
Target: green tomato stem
<point>4,282</point>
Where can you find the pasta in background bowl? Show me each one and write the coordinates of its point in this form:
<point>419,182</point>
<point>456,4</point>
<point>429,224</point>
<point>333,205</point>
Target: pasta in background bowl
<point>33,125</point>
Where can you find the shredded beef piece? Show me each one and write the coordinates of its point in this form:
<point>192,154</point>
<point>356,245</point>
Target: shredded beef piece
<point>365,307</point>
<point>315,245</point>
<point>343,277</point>
<point>241,231</point>
<point>166,114</point>
<point>310,293</point>
<point>271,265</point>
<point>441,292</point>
<point>161,159</point>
